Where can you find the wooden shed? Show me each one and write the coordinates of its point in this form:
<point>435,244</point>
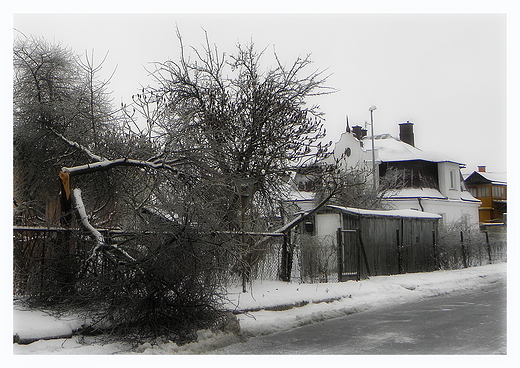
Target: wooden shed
<point>374,242</point>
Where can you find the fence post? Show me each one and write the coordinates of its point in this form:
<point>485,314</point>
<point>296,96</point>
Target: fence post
<point>399,252</point>
<point>435,255</point>
<point>285,274</point>
<point>358,259</point>
<point>42,263</point>
<point>488,247</point>
<point>290,254</point>
<point>283,265</point>
<point>339,238</point>
<point>463,248</point>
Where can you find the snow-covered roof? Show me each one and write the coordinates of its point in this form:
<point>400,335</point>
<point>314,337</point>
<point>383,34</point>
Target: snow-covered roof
<point>390,149</point>
<point>415,193</point>
<point>466,196</point>
<point>391,213</point>
<point>297,195</point>
<point>493,177</point>
<point>425,193</point>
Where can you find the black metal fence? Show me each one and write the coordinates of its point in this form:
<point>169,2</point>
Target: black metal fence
<point>461,249</point>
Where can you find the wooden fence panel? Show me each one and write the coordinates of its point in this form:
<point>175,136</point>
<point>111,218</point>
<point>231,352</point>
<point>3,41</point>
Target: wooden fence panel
<point>394,244</point>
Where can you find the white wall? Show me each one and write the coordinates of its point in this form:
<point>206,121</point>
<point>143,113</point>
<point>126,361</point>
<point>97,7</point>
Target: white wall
<point>450,210</point>
<point>357,153</point>
<point>446,187</point>
<point>327,223</point>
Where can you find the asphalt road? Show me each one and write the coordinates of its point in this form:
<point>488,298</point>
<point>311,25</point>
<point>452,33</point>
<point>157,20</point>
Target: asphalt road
<point>455,324</point>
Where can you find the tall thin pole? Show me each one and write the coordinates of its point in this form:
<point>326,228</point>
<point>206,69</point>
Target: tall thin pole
<point>371,109</point>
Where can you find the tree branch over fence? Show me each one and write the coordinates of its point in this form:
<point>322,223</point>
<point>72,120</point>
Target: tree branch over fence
<point>96,235</point>
<point>302,216</point>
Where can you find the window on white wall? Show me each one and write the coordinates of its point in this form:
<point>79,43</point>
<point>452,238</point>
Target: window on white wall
<point>452,179</point>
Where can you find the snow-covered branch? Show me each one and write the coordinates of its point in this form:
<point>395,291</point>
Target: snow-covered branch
<point>103,164</point>
<point>108,164</point>
<point>96,235</point>
<point>89,153</point>
<point>80,207</point>
<point>304,215</point>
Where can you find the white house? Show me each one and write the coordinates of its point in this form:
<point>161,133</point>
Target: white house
<point>433,183</point>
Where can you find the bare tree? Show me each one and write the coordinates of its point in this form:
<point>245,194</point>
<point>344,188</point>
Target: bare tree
<point>208,164</point>
<point>243,127</point>
<point>55,96</point>
<point>44,76</point>
<point>351,188</point>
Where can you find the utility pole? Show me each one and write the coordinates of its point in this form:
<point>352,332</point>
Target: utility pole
<point>371,109</point>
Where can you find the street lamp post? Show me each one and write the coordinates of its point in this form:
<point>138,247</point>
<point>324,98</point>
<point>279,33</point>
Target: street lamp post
<point>371,109</point>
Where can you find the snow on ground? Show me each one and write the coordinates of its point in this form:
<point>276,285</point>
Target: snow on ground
<point>267,307</point>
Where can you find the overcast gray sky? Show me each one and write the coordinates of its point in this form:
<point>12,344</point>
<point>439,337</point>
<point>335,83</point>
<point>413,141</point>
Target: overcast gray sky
<point>445,72</point>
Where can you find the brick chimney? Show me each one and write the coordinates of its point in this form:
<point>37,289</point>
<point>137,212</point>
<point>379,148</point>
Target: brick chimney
<point>406,133</point>
<point>481,168</point>
<point>359,132</point>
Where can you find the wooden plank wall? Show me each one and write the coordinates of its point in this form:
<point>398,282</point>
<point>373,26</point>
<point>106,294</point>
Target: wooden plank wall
<point>395,245</point>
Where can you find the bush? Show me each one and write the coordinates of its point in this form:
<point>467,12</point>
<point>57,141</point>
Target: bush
<point>318,258</point>
<point>460,246</point>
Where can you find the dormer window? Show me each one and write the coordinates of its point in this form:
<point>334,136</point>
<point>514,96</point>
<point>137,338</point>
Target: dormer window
<point>452,180</point>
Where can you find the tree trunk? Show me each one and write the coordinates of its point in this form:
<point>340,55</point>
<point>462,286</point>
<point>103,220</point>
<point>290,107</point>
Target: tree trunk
<point>63,258</point>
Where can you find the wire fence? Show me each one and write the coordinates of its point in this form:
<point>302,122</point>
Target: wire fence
<point>460,249</point>
<point>316,258</point>
<point>48,259</point>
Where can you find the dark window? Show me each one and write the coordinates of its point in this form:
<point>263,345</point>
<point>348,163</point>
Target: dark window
<point>415,174</point>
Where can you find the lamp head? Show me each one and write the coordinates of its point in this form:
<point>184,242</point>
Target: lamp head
<point>372,108</point>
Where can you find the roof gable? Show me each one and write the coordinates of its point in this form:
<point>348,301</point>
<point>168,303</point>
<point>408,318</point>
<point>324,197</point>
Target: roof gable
<point>486,178</point>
